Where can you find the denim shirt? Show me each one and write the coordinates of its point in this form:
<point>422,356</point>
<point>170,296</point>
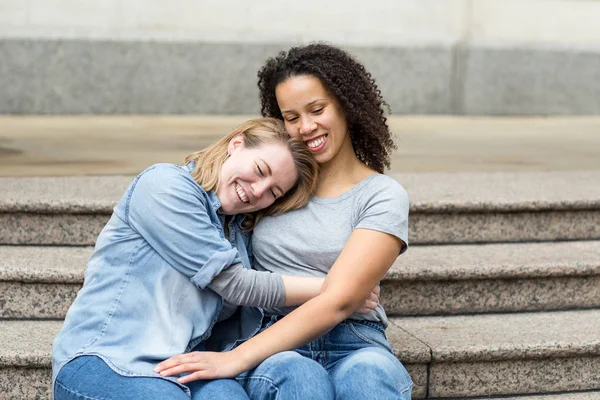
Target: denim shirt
<point>144,297</point>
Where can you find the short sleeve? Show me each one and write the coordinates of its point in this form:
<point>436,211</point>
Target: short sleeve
<point>384,208</point>
<point>170,211</point>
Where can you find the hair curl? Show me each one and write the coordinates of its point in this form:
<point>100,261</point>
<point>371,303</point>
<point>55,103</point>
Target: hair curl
<point>351,84</point>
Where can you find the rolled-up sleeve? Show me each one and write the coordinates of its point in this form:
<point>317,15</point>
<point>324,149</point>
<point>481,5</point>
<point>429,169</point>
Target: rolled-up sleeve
<point>169,210</point>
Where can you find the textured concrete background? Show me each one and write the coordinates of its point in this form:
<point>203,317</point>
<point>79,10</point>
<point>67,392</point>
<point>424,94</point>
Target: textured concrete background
<point>101,145</point>
<point>484,57</point>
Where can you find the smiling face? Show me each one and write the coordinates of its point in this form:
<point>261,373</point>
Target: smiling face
<point>313,115</point>
<point>253,178</point>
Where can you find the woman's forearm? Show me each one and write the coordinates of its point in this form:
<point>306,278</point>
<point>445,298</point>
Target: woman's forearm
<point>248,287</point>
<point>324,312</point>
<point>300,289</point>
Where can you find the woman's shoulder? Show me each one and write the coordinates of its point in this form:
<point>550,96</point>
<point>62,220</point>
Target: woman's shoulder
<point>379,186</point>
<point>170,179</point>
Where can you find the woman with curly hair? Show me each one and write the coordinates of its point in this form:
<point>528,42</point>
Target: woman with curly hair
<point>351,232</point>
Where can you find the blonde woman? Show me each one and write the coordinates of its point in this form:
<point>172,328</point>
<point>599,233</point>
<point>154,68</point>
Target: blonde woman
<point>173,259</point>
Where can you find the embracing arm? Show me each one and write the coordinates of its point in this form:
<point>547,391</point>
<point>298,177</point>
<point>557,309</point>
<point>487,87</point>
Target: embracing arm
<point>349,282</point>
<point>248,287</point>
<point>170,211</point>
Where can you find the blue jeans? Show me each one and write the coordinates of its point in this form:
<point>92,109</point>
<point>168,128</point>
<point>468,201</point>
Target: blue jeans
<point>89,378</point>
<point>287,376</point>
<point>355,355</point>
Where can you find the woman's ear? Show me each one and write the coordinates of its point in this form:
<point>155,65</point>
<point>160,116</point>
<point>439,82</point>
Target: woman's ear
<point>236,142</point>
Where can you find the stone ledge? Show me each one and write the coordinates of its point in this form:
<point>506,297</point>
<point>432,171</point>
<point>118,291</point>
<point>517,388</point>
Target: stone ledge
<point>504,260</point>
<point>494,337</point>
<point>430,193</point>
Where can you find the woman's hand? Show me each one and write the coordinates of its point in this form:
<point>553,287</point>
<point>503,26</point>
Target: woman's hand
<point>370,302</point>
<point>201,365</point>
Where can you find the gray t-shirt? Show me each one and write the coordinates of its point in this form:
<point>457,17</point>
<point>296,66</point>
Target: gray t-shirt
<point>307,242</point>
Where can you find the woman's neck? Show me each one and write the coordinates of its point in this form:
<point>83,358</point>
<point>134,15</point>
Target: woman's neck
<point>341,173</point>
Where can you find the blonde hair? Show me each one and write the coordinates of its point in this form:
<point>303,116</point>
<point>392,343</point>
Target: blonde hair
<point>256,132</point>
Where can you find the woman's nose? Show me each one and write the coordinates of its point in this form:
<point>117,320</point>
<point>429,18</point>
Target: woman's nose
<point>259,188</point>
<point>307,126</point>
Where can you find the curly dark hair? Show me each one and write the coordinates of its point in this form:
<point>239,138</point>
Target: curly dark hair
<point>352,85</point>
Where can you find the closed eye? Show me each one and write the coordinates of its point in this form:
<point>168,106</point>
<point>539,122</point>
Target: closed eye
<point>260,171</point>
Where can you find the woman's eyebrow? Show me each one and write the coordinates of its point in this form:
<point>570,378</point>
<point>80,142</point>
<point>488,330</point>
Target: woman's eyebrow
<point>307,105</point>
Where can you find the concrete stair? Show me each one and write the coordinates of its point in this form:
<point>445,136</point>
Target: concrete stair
<point>447,357</point>
<point>501,207</point>
<point>42,281</point>
<point>498,297</point>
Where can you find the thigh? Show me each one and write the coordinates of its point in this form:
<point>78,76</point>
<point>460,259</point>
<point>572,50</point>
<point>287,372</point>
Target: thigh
<point>287,376</point>
<point>217,389</point>
<point>88,377</point>
<point>370,373</point>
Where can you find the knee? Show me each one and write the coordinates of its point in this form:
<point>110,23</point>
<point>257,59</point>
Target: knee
<point>375,366</point>
<point>288,375</point>
<point>293,366</point>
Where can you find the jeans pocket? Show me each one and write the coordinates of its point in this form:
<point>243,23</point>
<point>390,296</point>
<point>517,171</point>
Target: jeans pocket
<point>370,335</point>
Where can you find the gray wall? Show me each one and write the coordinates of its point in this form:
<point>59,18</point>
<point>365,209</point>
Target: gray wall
<point>479,57</point>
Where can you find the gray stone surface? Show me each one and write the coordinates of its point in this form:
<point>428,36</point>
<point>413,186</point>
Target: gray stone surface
<point>414,355</point>
<point>25,351</point>
<point>35,264</point>
<point>152,77</point>
<point>54,229</point>
<point>129,77</point>
<point>36,300</point>
<point>503,207</point>
<point>77,195</point>
<point>510,353</point>
<point>531,81</point>
<point>445,208</point>
<point>42,281</point>
<point>470,379</point>
<point>593,395</point>
<point>493,278</point>
<point>25,383</point>
<point>125,145</point>
<point>489,295</point>
<point>501,191</point>
<point>27,343</point>
<point>418,373</point>
<point>502,337</point>
<point>406,346</point>
<point>502,260</point>
<point>433,228</point>
<point>429,192</point>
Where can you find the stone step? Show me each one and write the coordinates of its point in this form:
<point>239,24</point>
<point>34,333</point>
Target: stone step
<point>589,395</point>
<point>506,277</point>
<point>42,281</point>
<point>445,208</point>
<point>447,357</point>
<point>507,354</point>
<point>125,145</point>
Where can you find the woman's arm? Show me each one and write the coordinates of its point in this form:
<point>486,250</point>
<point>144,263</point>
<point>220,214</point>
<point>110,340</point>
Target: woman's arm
<point>248,287</point>
<point>355,272</point>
